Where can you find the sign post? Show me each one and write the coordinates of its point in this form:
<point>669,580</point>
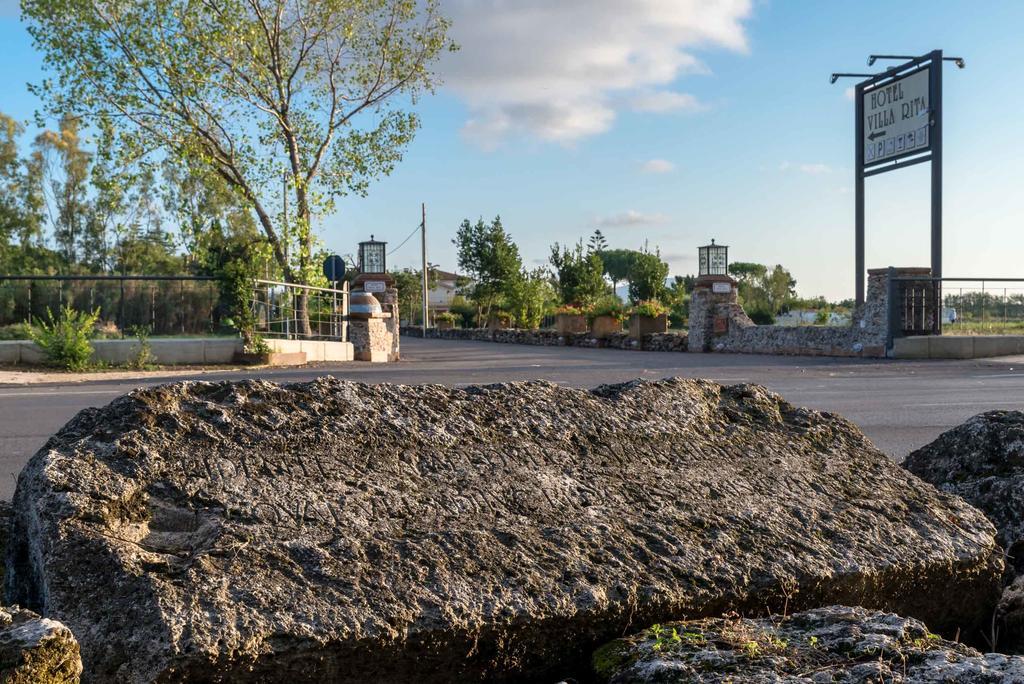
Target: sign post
<point>899,124</point>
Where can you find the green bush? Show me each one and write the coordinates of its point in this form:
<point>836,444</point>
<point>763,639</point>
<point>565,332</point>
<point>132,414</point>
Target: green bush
<point>651,307</point>
<point>447,317</point>
<point>65,339</point>
<point>607,306</point>
<point>144,356</point>
<point>17,331</point>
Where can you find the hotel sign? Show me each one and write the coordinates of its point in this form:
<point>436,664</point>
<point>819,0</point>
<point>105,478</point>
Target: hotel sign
<point>897,118</point>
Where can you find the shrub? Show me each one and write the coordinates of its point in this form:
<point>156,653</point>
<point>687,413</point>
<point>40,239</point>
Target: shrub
<point>607,306</point>
<point>447,317</point>
<point>761,316</point>
<point>650,307</point>
<point>65,339</point>
<point>17,331</point>
<point>570,310</point>
<point>144,356</point>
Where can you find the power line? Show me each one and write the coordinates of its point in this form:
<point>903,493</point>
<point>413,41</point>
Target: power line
<point>405,240</point>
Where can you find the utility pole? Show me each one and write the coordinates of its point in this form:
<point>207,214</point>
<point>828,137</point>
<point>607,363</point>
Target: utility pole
<point>423,243</point>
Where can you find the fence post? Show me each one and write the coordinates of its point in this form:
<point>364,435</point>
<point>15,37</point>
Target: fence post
<point>892,313</point>
<point>120,309</point>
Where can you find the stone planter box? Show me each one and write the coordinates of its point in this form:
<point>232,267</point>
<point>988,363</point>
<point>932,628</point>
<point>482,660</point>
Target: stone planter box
<point>445,325</point>
<point>570,324</point>
<point>646,325</point>
<point>603,326</point>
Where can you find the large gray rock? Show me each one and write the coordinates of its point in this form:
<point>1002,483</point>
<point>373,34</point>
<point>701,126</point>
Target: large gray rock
<point>333,531</point>
<point>982,460</point>
<point>834,644</point>
<point>35,650</point>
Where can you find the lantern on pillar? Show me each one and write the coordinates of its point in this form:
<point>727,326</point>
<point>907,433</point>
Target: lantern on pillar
<point>372,256</point>
<point>713,260</point>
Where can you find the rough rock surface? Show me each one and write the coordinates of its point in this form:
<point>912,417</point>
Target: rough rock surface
<point>832,644</point>
<point>334,531</point>
<point>982,461</point>
<point>36,650</point>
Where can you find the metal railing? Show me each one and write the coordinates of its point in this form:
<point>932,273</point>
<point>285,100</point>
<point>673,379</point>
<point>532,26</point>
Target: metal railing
<point>168,305</point>
<point>957,306</point>
<point>294,312</point>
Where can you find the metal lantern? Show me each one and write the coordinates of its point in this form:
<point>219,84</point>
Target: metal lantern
<point>713,260</point>
<point>372,256</point>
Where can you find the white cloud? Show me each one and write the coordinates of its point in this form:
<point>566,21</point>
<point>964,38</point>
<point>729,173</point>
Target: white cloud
<point>810,169</point>
<point>561,70</point>
<point>630,219</point>
<point>658,166</point>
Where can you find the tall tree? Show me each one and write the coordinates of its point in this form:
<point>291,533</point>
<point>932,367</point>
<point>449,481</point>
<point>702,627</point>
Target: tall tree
<point>491,259</point>
<point>597,242</point>
<point>647,276</point>
<point>579,274</point>
<point>617,265</point>
<point>61,166</point>
<point>275,96</point>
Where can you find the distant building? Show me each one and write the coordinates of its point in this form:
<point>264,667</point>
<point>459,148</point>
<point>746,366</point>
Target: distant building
<point>441,295</point>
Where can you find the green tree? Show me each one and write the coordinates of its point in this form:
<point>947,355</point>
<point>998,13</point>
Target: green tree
<point>780,289</point>
<point>62,167</point>
<point>617,265</point>
<point>647,277</point>
<point>597,242</point>
<point>274,96</point>
<point>409,283</point>
<point>491,259</point>
<point>530,298</point>
<point>677,297</point>
<point>580,274</point>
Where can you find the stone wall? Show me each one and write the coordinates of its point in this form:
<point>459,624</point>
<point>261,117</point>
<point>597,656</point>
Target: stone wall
<point>673,341</point>
<point>718,323</point>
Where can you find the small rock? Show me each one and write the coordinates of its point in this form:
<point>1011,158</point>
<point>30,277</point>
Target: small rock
<point>36,650</point>
<point>832,644</point>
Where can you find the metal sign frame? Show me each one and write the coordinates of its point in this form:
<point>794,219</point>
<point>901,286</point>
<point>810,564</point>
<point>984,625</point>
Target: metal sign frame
<point>933,153</point>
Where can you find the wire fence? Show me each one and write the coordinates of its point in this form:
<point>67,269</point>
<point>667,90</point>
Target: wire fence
<point>168,305</point>
<point>983,307</point>
<point>293,312</point>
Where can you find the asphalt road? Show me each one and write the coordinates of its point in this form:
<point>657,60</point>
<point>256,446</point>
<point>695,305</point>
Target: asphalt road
<point>901,405</point>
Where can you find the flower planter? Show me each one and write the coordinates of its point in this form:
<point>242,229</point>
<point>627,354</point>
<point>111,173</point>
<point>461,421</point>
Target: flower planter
<point>570,324</point>
<point>445,325</point>
<point>645,325</point>
<point>499,323</point>
<point>603,326</point>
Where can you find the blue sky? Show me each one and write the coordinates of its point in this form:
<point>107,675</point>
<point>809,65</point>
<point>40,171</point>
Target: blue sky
<point>674,122</point>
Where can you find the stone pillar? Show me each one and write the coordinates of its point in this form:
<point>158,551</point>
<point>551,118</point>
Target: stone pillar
<point>714,307</point>
<point>389,303</point>
<point>371,338</point>
<point>873,318</point>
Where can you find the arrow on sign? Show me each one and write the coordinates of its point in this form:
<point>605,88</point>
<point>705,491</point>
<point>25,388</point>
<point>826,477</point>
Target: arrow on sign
<point>876,134</point>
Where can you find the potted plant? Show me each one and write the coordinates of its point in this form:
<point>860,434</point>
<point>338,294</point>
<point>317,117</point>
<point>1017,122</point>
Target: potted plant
<point>647,317</point>
<point>606,317</point>
<point>570,319</point>
<point>445,320</point>
<point>500,321</point>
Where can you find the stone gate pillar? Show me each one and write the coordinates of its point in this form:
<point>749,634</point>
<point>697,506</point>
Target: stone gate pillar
<point>713,308</point>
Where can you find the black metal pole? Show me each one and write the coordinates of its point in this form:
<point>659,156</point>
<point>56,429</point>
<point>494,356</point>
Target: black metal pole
<point>858,210</point>
<point>935,76</point>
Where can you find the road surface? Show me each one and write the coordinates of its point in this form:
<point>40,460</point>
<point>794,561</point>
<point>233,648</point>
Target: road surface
<point>901,405</point>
